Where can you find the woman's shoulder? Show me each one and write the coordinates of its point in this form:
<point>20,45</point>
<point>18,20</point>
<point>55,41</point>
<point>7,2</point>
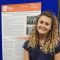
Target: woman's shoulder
<point>57,49</point>
<point>25,45</point>
<point>26,42</point>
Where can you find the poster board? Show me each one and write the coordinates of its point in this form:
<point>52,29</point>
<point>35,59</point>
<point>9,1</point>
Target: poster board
<point>17,23</point>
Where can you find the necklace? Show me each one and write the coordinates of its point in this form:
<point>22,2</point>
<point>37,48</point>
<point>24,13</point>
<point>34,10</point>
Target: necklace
<point>41,43</point>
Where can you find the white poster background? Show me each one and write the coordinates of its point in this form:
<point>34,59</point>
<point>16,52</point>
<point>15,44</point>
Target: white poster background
<point>13,28</point>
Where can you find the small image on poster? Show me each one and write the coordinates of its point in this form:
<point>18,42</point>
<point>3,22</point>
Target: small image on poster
<point>31,20</point>
<point>17,23</point>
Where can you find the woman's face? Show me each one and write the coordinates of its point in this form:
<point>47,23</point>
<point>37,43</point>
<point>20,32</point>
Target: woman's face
<point>44,24</point>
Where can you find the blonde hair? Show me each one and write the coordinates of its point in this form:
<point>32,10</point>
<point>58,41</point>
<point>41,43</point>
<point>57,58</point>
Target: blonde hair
<point>52,36</point>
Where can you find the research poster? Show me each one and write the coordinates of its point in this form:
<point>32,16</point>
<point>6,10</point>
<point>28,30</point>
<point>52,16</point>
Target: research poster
<point>17,23</point>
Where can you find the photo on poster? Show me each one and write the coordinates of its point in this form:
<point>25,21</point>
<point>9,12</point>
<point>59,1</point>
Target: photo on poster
<point>29,30</point>
<point>31,19</point>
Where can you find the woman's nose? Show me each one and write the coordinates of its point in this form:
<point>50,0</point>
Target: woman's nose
<point>43,25</point>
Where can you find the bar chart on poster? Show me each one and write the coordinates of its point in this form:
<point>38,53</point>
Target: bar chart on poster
<point>17,23</point>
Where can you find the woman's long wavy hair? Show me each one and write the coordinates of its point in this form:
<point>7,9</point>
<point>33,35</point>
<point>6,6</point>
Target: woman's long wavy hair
<point>52,36</point>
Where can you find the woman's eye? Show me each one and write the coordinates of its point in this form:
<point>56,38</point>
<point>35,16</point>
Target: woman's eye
<point>41,22</point>
<point>47,24</point>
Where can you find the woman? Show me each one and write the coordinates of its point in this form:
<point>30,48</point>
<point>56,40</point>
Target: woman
<point>43,43</point>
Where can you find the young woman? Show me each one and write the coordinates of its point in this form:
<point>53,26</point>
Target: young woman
<point>43,43</point>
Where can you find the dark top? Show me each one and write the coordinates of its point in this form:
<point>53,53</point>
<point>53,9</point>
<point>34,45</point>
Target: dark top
<point>37,54</point>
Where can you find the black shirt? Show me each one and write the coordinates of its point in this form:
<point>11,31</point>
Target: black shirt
<point>37,54</point>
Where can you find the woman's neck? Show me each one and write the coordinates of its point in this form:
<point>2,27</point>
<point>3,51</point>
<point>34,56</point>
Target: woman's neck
<point>42,37</point>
